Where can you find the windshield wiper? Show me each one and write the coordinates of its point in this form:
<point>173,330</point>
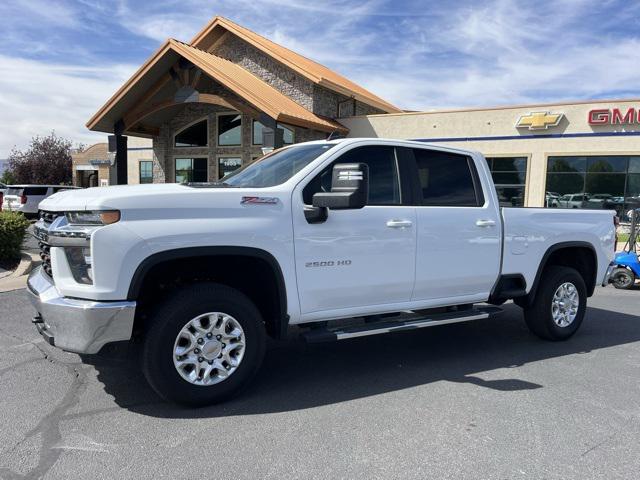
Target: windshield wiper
<point>207,185</point>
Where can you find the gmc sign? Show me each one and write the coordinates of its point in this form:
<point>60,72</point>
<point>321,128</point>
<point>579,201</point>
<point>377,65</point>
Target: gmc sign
<point>613,116</point>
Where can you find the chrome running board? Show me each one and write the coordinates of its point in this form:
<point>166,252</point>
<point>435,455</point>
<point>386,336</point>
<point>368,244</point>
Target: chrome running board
<point>403,322</point>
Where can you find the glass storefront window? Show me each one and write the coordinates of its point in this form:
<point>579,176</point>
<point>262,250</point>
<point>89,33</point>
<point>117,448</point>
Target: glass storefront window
<point>257,133</point>
<point>191,170</point>
<point>226,165</point>
<point>192,136</point>
<point>146,171</point>
<point>230,130</point>
<point>595,182</point>
<point>510,176</point>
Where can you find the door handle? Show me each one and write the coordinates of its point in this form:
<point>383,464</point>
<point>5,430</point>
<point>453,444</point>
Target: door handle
<point>399,223</point>
<point>485,223</point>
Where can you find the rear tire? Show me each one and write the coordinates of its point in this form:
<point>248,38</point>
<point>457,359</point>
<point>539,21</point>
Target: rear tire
<point>212,372</point>
<point>623,278</point>
<point>559,306</point>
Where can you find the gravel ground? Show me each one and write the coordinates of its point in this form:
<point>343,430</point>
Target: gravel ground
<point>480,400</point>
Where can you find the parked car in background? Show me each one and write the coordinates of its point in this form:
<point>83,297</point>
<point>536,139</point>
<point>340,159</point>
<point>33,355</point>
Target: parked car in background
<point>573,200</point>
<point>551,199</point>
<point>26,198</point>
<point>3,190</point>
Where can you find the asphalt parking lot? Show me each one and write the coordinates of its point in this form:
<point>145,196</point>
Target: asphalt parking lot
<point>479,400</point>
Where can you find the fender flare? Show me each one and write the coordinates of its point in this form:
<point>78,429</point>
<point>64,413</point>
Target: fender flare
<point>180,253</point>
<point>530,297</point>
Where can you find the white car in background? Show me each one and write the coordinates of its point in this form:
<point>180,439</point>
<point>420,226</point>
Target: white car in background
<point>551,199</point>
<point>3,190</point>
<point>26,198</point>
<point>575,200</point>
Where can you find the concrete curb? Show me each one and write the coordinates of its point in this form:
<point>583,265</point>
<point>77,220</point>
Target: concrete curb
<point>18,278</point>
<point>24,267</point>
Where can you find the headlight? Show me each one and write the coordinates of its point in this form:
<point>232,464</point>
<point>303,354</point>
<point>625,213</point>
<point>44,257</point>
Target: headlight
<point>104,217</point>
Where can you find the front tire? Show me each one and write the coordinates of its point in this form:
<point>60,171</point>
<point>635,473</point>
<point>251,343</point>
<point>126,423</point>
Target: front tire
<point>203,345</point>
<point>623,278</point>
<point>559,306</point>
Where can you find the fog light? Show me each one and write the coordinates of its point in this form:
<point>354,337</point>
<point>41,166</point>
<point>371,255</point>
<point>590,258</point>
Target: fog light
<point>80,261</point>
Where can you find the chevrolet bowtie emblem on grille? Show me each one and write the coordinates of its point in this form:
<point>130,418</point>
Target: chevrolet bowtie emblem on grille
<point>539,120</point>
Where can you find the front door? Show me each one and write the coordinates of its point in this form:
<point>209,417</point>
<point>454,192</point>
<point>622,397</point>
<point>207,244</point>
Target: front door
<point>356,259</point>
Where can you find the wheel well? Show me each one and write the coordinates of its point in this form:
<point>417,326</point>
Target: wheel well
<point>582,259</point>
<point>579,256</point>
<point>254,275</point>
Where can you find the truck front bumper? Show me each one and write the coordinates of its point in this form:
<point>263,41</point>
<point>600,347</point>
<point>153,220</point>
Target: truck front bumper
<point>81,326</point>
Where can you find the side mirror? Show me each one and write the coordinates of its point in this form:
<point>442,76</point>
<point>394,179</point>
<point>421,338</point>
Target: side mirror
<point>349,188</point>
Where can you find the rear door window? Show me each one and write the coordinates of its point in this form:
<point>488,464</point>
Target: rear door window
<point>447,179</point>
<point>35,191</point>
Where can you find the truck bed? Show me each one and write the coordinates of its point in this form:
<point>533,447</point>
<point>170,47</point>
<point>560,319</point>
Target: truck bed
<point>530,232</point>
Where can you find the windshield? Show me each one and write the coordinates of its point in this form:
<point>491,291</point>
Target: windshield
<point>277,167</point>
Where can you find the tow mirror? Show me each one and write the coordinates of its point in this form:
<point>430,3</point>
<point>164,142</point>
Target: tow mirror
<point>349,188</point>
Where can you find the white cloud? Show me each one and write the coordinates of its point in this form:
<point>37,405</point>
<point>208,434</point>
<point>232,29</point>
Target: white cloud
<point>37,97</point>
<point>416,54</point>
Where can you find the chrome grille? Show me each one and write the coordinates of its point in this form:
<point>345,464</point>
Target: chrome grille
<point>45,255</point>
<point>45,250</point>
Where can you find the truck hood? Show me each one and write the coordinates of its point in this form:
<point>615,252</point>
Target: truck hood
<point>111,197</point>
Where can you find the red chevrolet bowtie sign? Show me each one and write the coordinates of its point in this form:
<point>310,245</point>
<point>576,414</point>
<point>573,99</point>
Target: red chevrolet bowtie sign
<point>614,116</point>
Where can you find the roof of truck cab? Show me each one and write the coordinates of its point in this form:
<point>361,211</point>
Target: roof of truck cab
<point>398,141</point>
<point>28,185</point>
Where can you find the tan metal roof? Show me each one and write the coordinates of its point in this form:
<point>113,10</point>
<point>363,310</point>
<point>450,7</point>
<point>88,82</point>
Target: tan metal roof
<point>254,91</point>
<point>309,69</point>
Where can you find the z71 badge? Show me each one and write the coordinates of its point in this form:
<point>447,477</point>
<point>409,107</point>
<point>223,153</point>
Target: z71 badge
<point>329,263</point>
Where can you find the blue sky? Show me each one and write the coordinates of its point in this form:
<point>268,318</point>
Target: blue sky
<point>61,59</point>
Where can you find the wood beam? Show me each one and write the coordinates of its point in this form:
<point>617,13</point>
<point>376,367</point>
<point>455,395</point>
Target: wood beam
<point>196,78</point>
<point>175,76</point>
<point>131,120</point>
<point>218,41</point>
<point>144,100</point>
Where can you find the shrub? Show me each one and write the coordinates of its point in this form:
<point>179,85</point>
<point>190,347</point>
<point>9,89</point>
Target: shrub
<point>13,228</point>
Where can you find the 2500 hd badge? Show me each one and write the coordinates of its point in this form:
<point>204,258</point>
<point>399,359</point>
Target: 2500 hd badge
<point>329,263</point>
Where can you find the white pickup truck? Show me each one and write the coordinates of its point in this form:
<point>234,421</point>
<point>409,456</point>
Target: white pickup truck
<point>342,238</point>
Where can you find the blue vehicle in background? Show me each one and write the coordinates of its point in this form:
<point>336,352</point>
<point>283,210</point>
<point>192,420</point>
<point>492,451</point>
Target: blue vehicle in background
<point>627,264</point>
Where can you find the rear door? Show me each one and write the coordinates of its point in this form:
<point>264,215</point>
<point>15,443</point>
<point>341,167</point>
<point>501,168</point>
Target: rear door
<point>459,229</point>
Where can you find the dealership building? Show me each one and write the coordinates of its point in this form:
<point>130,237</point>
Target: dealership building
<point>196,111</point>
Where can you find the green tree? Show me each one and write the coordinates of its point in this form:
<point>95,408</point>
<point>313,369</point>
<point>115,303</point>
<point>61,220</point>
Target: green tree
<point>46,161</point>
<point>7,178</point>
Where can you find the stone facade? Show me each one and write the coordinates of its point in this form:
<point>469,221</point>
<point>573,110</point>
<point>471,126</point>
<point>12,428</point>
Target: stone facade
<point>283,79</point>
<point>315,98</point>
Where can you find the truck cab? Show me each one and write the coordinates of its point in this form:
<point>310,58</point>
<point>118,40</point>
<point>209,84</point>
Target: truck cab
<point>343,238</point>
